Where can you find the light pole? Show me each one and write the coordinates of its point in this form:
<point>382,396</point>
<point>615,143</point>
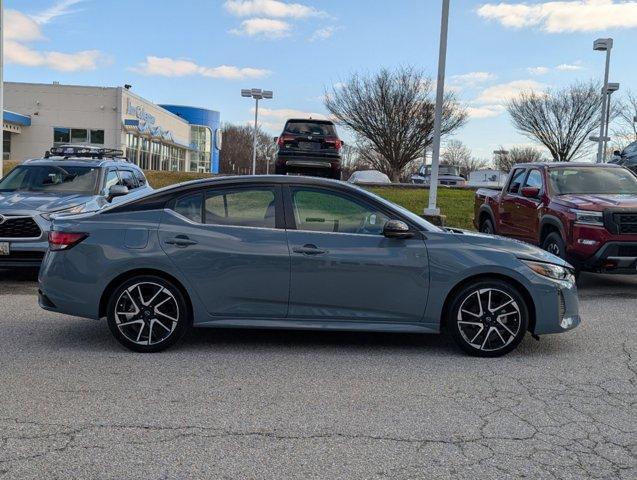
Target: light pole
<point>603,45</point>
<point>612,87</point>
<point>1,88</point>
<point>440,91</point>
<point>257,94</point>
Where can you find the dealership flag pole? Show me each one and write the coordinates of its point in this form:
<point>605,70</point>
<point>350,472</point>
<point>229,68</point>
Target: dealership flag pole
<point>440,90</point>
<point>1,88</point>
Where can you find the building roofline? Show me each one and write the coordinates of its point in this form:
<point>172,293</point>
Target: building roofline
<point>188,106</point>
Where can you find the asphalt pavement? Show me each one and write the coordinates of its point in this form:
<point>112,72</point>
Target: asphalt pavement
<point>297,405</point>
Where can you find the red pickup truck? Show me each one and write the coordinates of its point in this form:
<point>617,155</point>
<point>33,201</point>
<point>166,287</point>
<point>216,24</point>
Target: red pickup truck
<point>585,213</point>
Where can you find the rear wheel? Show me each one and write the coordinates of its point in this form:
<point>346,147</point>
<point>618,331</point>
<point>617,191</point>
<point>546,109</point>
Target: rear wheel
<point>148,314</point>
<point>486,226</point>
<point>488,318</point>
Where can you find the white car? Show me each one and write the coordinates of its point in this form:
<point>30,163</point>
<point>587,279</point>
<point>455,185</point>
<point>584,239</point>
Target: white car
<point>368,176</point>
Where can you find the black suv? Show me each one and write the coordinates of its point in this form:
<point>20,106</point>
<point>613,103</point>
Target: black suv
<point>309,147</point>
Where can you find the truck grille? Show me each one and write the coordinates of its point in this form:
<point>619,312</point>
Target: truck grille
<point>19,227</point>
<point>627,251</point>
<point>626,223</point>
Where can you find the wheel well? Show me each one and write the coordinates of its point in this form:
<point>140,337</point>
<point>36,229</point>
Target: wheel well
<point>110,288</point>
<point>546,229</point>
<point>484,215</point>
<point>491,276</point>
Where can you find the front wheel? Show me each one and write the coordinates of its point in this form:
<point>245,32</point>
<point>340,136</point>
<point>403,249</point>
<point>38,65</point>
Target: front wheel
<point>148,314</point>
<point>488,318</point>
<point>554,244</point>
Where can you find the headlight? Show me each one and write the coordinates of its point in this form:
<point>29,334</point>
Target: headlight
<point>585,217</point>
<point>552,271</point>
<point>65,211</point>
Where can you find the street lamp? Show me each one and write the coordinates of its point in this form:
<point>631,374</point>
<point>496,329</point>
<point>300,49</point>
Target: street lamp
<point>257,94</point>
<point>603,45</point>
<point>440,91</point>
<point>612,87</point>
<point>1,88</point>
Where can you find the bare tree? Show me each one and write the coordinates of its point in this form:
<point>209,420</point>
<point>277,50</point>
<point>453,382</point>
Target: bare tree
<point>505,161</point>
<point>561,120</point>
<point>393,112</point>
<point>625,130</point>
<point>459,155</point>
<point>236,153</point>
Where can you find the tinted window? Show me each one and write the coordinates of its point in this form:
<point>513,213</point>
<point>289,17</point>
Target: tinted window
<point>243,207</point>
<point>128,179</point>
<point>141,179</point>
<point>516,181</point>
<point>111,179</point>
<point>190,207</point>
<point>324,211</point>
<point>310,128</point>
<point>592,180</point>
<point>534,179</point>
<point>52,178</point>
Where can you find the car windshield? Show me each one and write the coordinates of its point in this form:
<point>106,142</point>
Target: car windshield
<point>592,180</point>
<point>310,128</point>
<point>51,179</point>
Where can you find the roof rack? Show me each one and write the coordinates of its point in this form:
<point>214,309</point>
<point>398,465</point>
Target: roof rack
<point>73,151</point>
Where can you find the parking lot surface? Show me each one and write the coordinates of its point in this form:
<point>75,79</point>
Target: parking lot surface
<point>271,404</point>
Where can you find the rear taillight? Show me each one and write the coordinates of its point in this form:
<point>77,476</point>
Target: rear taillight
<point>64,240</point>
<point>335,142</point>
<point>283,139</point>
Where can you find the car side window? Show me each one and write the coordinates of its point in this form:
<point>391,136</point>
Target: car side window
<point>111,179</point>
<point>534,179</point>
<point>128,179</point>
<point>190,207</point>
<point>326,211</point>
<point>141,179</point>
<point>244,207</point>
<point>516,181</point>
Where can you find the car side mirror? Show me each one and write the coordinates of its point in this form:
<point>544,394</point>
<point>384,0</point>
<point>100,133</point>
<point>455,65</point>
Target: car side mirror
<point>397,229</point>
<point>617,153</point>
<point>116,191</point>
<point>276,139</point>
<point>530,192</point>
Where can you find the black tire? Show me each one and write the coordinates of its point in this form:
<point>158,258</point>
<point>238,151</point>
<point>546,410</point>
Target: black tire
<point>151,308</point>
<point>337,175</point>
<point>280,171</point>
<point>496,332</point>
<point>554,244</point>
<point>486,226</point>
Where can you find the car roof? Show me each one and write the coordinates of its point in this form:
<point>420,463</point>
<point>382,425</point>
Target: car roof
<point>562,165</point>
<point>314,120</point>
<point>81,162</point>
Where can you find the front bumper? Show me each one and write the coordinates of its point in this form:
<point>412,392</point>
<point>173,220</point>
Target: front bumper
<point>29,252</point>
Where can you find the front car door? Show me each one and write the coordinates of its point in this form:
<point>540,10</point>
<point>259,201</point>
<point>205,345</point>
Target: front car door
<point>343,268</point>
<point>230,242</point>
<point>527,215</point>
<point>509,205</point>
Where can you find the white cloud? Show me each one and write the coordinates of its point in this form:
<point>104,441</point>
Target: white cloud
<point>171,67</point>
<point>485,111</point>
<point>472,78</point>
<point>564,16</point>
<point>62,7</point>
<point>265,27</point>
<point>270,8</point>
<point>566,67</point>
<point>499,94</point>
<point>21,29</point>
<point>323,33</point>
<point>538,70</point>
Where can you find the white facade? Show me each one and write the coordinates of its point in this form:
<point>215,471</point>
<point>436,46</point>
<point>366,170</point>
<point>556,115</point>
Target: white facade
<point>487,178</point>
<point>113,117</point>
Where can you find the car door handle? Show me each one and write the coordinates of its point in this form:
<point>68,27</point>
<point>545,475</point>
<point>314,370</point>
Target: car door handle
<point>309,249</point>
<point>180,241</point>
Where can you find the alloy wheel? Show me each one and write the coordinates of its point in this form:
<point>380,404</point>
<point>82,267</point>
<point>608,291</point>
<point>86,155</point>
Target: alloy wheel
<point>553,248</point>
<point>489,319</point>
<point>146,313</point>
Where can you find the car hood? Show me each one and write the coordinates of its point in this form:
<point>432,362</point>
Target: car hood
<point>39,202</point>
<point>597,202</point>
<point>509,245</point>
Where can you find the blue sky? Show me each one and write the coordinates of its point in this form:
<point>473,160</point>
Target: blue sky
<point>202,52</point>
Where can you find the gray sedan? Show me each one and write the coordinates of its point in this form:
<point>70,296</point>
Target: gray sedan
<point>302,253</point>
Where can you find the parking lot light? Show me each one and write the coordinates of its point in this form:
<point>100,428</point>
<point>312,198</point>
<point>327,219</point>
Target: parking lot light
<point>603,45</point>
<point>257,94</point>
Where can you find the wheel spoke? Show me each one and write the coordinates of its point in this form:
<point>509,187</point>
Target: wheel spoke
<point>139,335</point>
<point>476,335</point>
<point>486,337</point>
<point>132,322</point>
<point>470,313</point>
<point>505,327</point>
<point>504,342</point>
<point>149,302</point>
<point>167,316</point>
<point>480,302</point>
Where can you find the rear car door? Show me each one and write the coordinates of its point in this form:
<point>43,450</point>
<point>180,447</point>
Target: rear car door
<point>344,268</point>
<point>230,243</point>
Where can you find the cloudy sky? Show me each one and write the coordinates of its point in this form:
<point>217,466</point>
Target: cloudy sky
<point>202,52</point>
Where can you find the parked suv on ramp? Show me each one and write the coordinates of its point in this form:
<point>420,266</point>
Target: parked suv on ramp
<point>309,147</point>
<point>68,179</point>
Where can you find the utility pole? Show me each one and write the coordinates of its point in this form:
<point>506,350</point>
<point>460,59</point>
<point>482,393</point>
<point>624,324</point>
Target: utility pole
<point>440,91</point>
<point>603,45</point>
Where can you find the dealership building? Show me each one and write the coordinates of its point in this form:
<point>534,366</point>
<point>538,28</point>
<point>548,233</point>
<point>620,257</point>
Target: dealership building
<point>155,137</point>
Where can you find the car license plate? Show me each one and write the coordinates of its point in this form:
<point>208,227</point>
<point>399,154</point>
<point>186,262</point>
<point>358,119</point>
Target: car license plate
<point>5,249</point>
<point>306,145</point>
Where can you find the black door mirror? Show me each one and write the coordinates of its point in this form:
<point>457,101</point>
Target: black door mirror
<point>397,229</point>
<point>116,191</point>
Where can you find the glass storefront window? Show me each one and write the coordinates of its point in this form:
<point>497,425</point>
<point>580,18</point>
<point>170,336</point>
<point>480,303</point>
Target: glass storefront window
<point>61,135</point>
<point>155,162</point>
<point>202,142</point>
<point>79,135</point>
<point>144,154</point>
<point>97,137</point>
<point>132,145</point>
<point>6,143</point>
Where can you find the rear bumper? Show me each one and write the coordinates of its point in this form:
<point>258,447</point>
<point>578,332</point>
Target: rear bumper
<point>299,160</point>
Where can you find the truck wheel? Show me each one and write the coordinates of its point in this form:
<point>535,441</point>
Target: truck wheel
<point>486,226</point>
<point>488,318</point>
<point>280,171</point>
<point>337,175</point>
<point>554,244</point>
